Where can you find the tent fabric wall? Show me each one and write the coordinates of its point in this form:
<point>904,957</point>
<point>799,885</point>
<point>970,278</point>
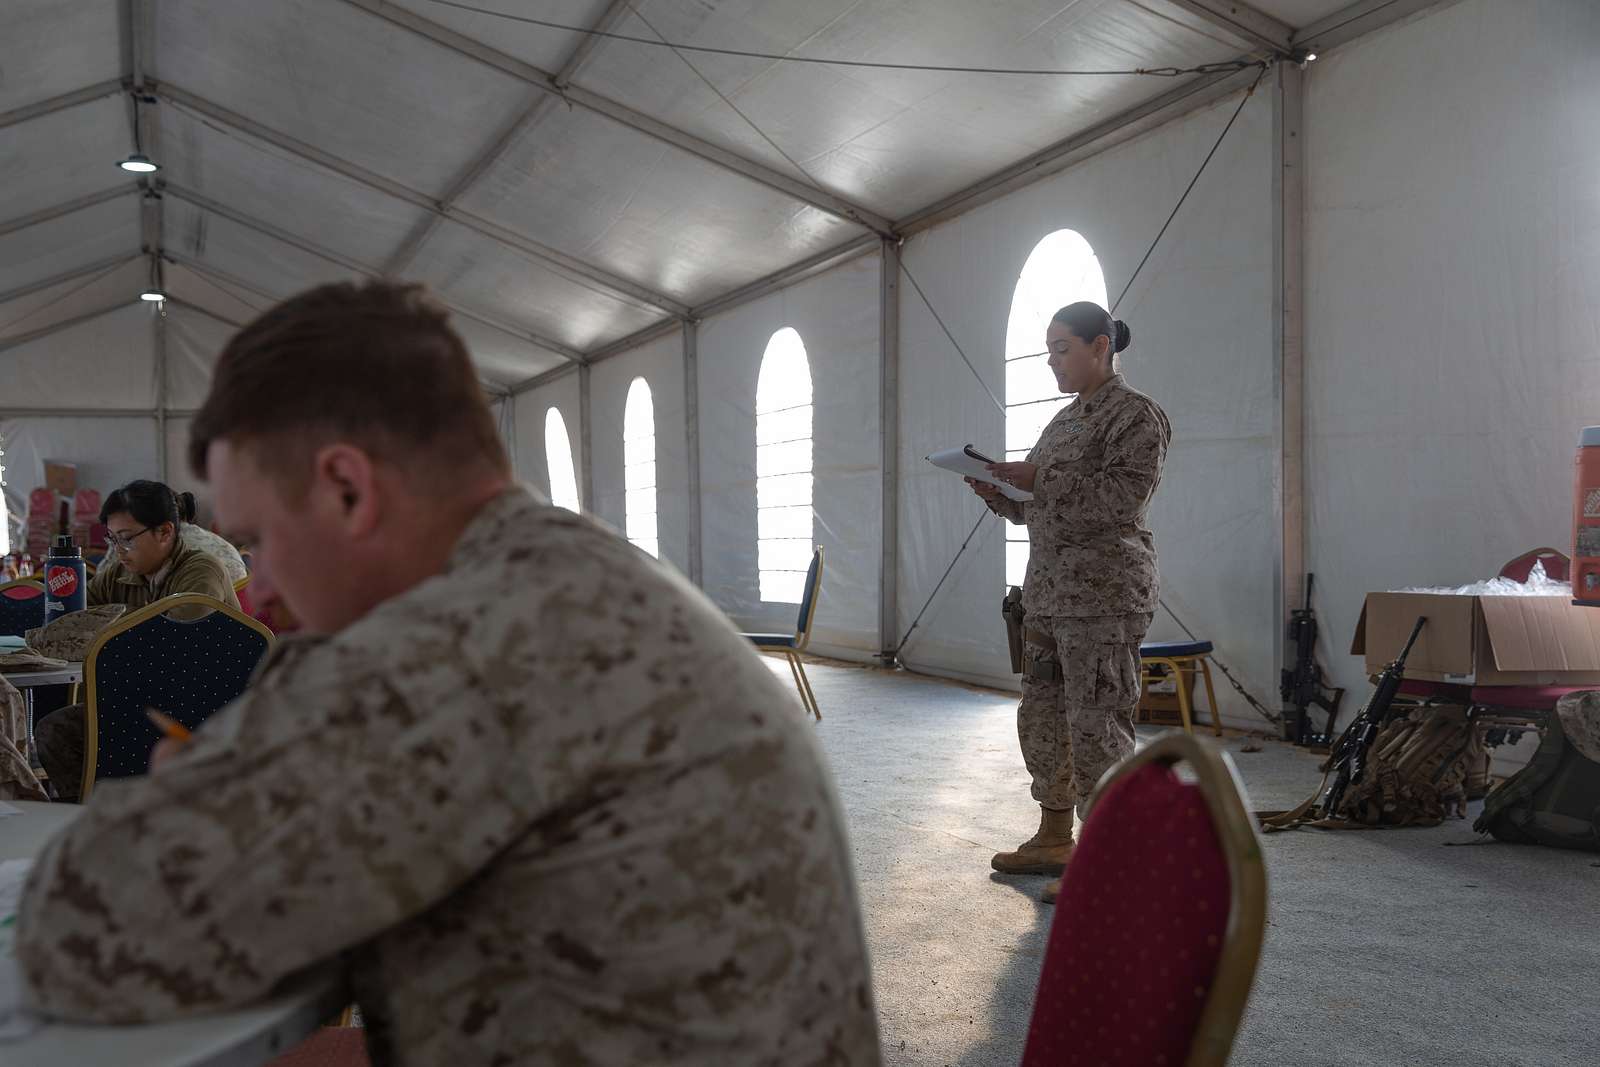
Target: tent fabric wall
<point>836,315</point>
<point>660,364</point>
<point>194,341</point>
<point>106,362</point>
<point>1450,247</point>
<point>108,452</point>
<point>1201,316</point>
<point>1452,330</point>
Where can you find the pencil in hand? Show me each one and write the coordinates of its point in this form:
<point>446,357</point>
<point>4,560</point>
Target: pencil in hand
<point>174,729</point>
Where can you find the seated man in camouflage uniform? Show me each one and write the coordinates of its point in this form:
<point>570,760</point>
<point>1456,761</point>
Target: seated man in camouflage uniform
<point>524,782</point>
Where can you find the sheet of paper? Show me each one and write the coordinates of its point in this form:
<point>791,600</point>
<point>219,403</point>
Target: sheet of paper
<point>15,1022</point>
<point>961,462</point>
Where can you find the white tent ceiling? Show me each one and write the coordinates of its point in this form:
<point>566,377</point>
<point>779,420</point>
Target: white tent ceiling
<point>563,192</point>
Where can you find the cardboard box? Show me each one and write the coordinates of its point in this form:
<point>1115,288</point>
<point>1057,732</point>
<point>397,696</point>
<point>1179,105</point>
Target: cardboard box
<point>1483,640</point>
<point>61,478</point>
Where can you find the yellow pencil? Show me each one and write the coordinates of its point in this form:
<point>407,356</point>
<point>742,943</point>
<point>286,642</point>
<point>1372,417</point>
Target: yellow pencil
<point>174,729</point>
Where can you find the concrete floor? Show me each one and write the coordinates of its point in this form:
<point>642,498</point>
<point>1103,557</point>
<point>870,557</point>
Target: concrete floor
<point>1384,947</point>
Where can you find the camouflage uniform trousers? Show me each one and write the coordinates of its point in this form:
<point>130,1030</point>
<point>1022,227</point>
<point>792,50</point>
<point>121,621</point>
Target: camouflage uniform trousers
<point>1073,729</point>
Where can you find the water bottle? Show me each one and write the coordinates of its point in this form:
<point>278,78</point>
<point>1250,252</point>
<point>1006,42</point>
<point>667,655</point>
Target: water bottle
<point>65,586</point>
<point>1586,520</point>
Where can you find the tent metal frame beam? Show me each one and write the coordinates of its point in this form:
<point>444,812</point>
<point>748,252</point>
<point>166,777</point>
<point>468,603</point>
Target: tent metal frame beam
<point>519,128</point>
<point>633,340</point>
<point>1359,19</point>
<point>1247,23</point>
<point>620,113</point>
<point>1191,96</point>
<point>87,95</point>
<point>189,305</point>
<point>219,278</point>
<point>106,264</point>
<point>538,380</point>
<point>1362,17</point>
<point>18,340</point>
<point>87,413</point>
<point>355,266</point>
<point>790,275</point>
<point>580,271</point>
<point>82,203</point>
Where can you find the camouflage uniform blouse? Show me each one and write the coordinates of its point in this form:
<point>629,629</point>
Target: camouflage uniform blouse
<point>549,806</point>
<point>1099,464</point>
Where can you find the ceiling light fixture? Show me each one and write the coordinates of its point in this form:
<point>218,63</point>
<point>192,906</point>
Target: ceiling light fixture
<point>156,291</point>
<point>138,162</point>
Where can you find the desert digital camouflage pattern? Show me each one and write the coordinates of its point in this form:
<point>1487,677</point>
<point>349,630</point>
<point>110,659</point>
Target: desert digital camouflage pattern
<point>1090,552</point>
<point>1091,587</point>
<point>548,806</point>
<point>1074,729</point>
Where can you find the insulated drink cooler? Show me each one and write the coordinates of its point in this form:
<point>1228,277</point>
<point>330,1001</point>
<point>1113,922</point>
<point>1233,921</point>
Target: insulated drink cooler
<point>1586,520</point>
<point>65,582</point>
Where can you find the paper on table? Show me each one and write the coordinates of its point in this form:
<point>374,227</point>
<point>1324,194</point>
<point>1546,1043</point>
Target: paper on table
<point>16,1022</point>
<point>968,461</point>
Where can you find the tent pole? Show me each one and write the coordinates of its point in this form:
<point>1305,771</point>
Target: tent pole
<point>586,500</point>
<point>1288,262</point>
<point>889,431</point>
<point>691,427</point>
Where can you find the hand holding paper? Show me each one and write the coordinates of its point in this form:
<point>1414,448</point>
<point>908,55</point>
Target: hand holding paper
<point>969,462</point>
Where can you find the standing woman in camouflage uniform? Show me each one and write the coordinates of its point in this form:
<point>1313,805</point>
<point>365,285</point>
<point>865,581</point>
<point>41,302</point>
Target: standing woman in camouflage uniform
<point>1092,582</point>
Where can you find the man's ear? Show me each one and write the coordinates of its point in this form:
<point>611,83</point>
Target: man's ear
<point>344,478</point>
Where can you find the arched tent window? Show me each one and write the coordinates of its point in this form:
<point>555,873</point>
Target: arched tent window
<point>783,468</point>
<point>1062,269</point>
<point>558,457</point>
<point>639,467</point>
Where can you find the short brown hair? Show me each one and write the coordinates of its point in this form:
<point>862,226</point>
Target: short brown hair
<point>376,365</point>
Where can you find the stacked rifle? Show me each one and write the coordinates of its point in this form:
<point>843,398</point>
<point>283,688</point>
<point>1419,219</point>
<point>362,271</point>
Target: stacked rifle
<point>1347,761</point>
<point>1303,685</point>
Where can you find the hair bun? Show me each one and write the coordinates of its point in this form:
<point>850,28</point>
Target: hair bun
<point>1124,335</point>
<point>186,507</point>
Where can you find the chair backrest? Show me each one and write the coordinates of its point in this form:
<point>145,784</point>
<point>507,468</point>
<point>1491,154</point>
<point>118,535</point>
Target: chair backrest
<point>187,669</point>
<point>1159,919</point>
<point>1557,567</point>
<point>808,601</point>
<point>21,606</point>
<point>244,598</point>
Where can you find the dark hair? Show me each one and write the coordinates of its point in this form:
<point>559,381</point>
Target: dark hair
<point>150,504</point>
<point>1088,320</point>
<point>376,365</point>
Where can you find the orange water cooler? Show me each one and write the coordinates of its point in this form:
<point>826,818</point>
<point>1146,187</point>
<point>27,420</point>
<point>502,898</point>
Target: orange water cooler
<point>1586,520</point>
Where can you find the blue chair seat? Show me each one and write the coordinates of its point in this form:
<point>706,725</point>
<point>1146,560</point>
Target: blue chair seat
<point>1174,649</point>
<point>770,640</point>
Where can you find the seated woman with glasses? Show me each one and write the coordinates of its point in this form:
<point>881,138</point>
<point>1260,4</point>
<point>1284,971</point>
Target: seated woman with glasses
<point>149,560</point>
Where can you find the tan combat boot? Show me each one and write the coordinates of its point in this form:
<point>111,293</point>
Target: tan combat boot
<point>1045,852</point>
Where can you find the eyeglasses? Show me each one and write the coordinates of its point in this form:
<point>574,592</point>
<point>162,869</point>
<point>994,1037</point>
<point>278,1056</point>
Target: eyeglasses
<point>125,544</point>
